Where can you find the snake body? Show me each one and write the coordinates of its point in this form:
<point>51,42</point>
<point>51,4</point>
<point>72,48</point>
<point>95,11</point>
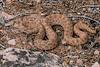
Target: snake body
<point>36,24</point>
<point>81,30</point>
<point>50,42</point>
<point>42,26</point>
<point>58,19</point>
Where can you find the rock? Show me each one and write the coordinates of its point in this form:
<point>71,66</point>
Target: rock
<point>6,16</point>
<point>96,52</point>
<point>38,1</point>
<point>79,62</point>
<point>12,42</point>
<point>71,62</point>
<point>96,64</point>
<point>8,1</point>
<point>11,57</point>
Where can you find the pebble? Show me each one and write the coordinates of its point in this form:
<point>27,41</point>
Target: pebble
<point>6,16</point>
<point>12,42</point>
<point>96,64</point>
<point>71,62</point>
<point>38,1</point>
<point>96,52</point>
<point>8,1</point>
<point>79,62</point>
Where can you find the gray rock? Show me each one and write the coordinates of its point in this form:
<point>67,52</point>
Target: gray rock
<point>14,57</point>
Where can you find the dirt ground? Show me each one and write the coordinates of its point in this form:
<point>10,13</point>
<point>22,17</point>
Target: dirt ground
<point>85,55</point>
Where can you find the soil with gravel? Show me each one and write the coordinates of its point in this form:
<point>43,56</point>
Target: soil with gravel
<point>86,55</point>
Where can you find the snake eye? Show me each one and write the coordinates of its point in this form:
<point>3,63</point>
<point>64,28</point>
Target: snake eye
<point>22,1</point>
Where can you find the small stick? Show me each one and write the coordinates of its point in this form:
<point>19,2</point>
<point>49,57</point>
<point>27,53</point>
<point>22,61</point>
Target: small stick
<point>85,17</point>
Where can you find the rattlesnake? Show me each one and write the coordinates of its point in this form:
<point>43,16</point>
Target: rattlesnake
<point>42,26</point>
<point>68,29</point>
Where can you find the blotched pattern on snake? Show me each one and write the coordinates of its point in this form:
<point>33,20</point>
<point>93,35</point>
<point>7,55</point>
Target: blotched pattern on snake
<point>58,19</point>
<point>36,24</point>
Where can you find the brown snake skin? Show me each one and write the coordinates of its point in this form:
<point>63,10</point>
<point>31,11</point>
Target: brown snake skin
<point>58,19</point>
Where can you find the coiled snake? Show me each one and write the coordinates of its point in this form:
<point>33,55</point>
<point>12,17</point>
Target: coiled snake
<point>43,27</point>
<point>68,29</point>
